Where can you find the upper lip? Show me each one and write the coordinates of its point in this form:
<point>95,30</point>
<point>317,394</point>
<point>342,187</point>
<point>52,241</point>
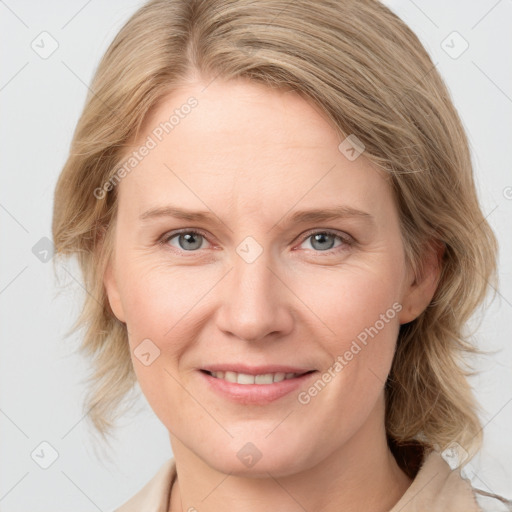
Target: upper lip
<point>255,370</point>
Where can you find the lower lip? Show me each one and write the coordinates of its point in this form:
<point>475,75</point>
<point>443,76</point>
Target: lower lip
<point>259,394</point>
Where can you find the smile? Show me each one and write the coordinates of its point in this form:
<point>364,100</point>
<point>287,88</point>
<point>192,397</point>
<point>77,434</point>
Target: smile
<point>258,389</point>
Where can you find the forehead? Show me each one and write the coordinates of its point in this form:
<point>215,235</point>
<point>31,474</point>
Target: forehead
<point>245,144</point>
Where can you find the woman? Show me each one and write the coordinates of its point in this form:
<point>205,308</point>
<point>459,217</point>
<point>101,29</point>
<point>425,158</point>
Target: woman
<point>222,145</point>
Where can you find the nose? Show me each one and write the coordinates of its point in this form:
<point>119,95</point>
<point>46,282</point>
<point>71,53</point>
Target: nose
<point>256,302</point>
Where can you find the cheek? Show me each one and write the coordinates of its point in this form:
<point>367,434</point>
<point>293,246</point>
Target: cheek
<point>158,299</point>
<point>356,317</point>
<point>349,298</point>
<point>161,304</point>
<point>356,327</point>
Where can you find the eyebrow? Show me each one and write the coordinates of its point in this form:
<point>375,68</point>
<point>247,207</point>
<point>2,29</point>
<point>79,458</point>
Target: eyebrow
<point>304,216</point>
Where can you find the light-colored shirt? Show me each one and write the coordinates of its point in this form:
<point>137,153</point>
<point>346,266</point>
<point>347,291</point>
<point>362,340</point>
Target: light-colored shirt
<point>436,488</point>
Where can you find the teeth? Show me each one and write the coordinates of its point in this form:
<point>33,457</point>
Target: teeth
<point>244,378</point>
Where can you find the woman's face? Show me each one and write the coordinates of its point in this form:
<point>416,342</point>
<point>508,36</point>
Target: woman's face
<point>255,283</point>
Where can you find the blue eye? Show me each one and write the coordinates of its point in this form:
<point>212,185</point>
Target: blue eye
<point>322,241</point>
<point>187,240</point>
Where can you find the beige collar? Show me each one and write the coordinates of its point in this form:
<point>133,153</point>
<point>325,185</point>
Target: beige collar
<point>436,488</point>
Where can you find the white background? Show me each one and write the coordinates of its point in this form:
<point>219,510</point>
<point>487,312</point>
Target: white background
<point>42,377</point>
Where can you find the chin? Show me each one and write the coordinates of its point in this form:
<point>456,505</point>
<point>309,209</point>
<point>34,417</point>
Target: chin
<point>258,459</point>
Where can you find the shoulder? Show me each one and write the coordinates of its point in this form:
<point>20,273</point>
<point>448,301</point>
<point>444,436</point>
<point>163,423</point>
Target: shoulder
<point>439,488</point>
<point>154,496</point>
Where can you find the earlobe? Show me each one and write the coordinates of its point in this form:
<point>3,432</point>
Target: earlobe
<point>113,295</point>
<point>422,287</point>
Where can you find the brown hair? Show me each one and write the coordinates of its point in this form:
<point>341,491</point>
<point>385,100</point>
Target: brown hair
<point>370,75</point>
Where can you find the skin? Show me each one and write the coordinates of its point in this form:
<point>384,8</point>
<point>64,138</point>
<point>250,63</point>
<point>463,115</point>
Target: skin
<point>252,156</point>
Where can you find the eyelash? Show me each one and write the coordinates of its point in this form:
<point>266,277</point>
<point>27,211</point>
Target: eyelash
<point>347,240</point>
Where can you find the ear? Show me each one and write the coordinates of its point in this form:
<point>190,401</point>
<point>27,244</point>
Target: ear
<point>109,278</point>
<point>421,288</point>
<point>112,291</point>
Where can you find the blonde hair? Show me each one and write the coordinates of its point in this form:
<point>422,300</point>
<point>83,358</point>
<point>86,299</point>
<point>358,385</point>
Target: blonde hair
<point>372,77</point>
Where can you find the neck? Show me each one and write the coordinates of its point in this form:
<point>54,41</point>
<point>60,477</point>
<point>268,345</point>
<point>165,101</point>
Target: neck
<point>360,475</point>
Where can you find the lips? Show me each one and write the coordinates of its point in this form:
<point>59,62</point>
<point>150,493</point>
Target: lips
<point>252,385</point>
